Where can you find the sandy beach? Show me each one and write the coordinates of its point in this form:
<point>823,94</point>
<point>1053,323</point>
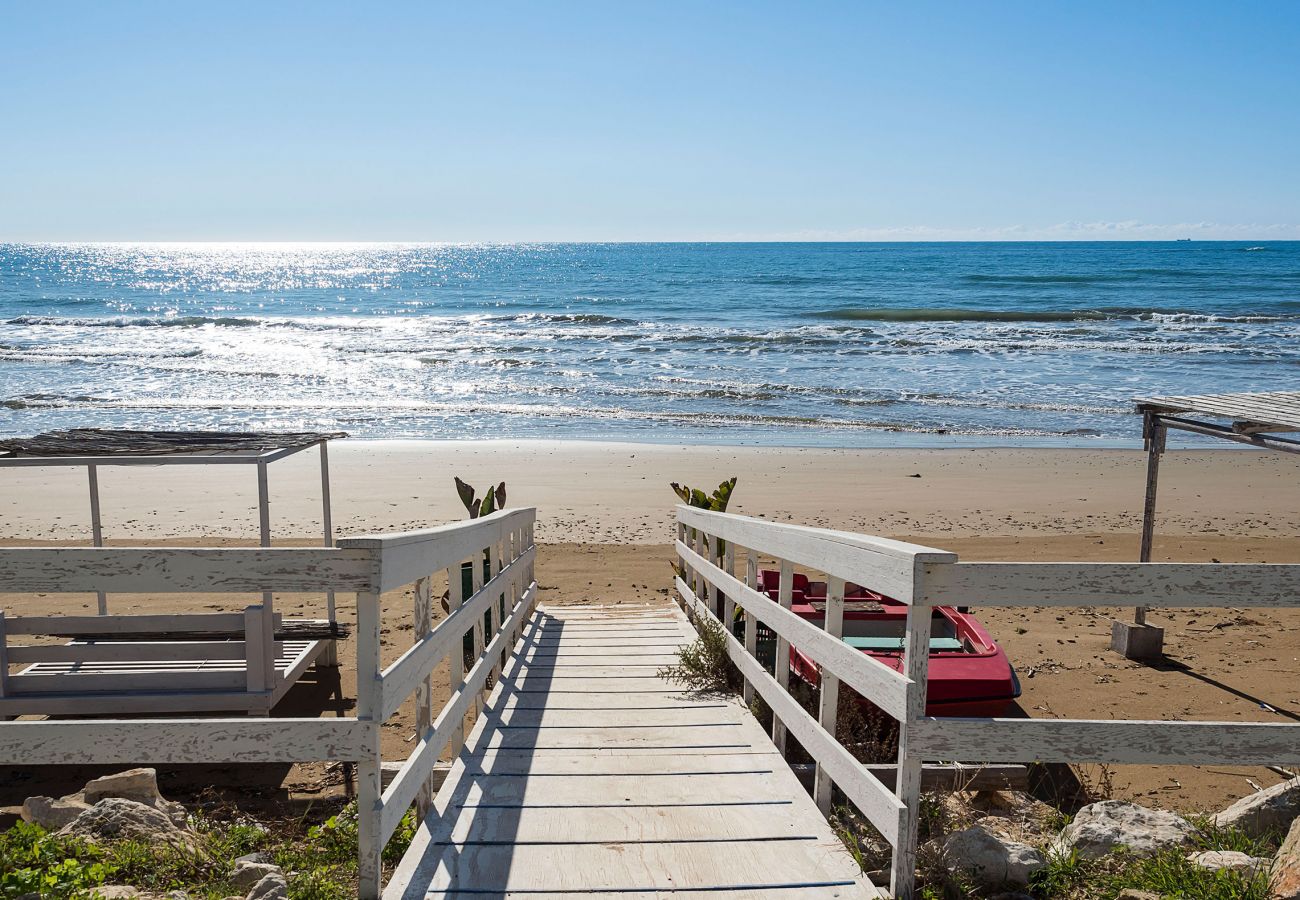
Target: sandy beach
<point>604,525</point>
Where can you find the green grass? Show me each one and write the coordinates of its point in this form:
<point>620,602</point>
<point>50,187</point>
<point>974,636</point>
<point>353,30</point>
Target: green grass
<point>322,858</point>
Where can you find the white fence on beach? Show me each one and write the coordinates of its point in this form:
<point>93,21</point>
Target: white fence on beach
<point>493,611</point>
<point>922,578</point>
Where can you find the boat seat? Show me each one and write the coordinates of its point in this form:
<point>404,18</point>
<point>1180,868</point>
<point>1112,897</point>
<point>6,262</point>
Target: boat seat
<point>941,644</point>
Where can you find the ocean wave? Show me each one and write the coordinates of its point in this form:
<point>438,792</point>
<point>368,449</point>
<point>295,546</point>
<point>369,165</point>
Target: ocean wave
<point>1102,314</point>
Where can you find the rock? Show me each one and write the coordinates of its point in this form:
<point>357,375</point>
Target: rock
<point>1272,809</point>
<point>991,860</point>
<point>52,814</point>
<point>1232,860</point>
<point>271,887</point>
<point>140,785</point>
<point>116,818</point>
<point>1135,894</point>
<point>253,858</point>
<point>1099,828</point>
<point>248,874</point>
<point>116,891</point>
<point>1284,879</point>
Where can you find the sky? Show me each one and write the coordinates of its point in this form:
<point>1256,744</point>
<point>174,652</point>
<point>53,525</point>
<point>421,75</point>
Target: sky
<point>649,121</point>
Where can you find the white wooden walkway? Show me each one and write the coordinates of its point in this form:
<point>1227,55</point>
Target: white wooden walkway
<point>589,775</point>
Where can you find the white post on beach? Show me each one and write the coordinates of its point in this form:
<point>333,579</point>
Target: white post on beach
<point>370,705</point>
<point>828,712</point>
<point>785,596</point>
<point>327,518</point>
<point>96,528</point>
<point>916,666</point>
<point>1139,640</point>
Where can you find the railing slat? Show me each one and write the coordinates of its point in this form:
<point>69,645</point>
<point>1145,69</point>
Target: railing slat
<point>873,680</point>
<point>873,799</point>
<point>879,563</point>
<point>1115,742</point>
<point>1114,584</point>
<point>404,787</point>
<point>402,677</point>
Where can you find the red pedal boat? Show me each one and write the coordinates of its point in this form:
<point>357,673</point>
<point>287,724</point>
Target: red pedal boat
<point>969,675</point>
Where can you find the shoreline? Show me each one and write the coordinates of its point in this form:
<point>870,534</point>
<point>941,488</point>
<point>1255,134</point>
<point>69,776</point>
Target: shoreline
<point>617,492</point>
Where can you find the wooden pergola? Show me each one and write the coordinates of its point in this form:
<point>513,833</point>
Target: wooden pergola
<point>95,447</point>
<point>1257,420</point>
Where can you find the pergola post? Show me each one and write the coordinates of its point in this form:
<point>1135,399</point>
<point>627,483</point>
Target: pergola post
<point>1139,640</point>
<point>96,528</point>
<point>263,516</point>
<point>331,655</point>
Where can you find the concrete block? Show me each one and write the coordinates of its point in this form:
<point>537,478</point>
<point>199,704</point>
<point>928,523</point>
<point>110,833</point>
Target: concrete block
<point>1135,641</point>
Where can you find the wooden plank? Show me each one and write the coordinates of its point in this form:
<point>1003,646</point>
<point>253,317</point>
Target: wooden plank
<point>130,570</point>
<point>872,799</point>
<point>514,763</point>
<point>1115,584</point>
<point>652,868</point>
<point>707,735</point>
<point>150,741</point>
<point>100,626</point>
<point>410,555</point>
<point>131,651</point>
<point>648,824</point>
<point>143,702</point>
<point>121,682</point>
<point>1124,742</point>
<point>870,678</point>
<point>878,563</point>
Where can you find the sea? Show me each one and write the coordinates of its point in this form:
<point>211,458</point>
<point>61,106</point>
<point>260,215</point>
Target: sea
<point>790,344</point>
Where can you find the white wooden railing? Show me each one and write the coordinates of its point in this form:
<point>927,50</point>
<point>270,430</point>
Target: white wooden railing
<point>418,556</point>
<point>923,577</point>
<point>494,611</point>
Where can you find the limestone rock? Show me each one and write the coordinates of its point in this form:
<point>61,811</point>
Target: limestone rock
<point>140,785</point>
<point>991,860</point>
<point>1272,809</point>
<point>1099,828</point>
<point>1232,860</point>
<point>1284,878</point>
<point>115,818</point>
<point>52,814</point>
<point>1135,894</point>
<point>116,892</point>
<point>258,857</point>
<point>248,874</point>
<point>271,887</point>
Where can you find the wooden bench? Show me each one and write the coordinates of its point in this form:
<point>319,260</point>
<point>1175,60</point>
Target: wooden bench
<point>146,664</point>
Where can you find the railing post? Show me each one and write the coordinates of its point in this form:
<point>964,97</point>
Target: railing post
<point>916,666</point>
<point>423,690</point>
<point>456,658</point>
<point>828,711</point>
<point>699,586</point>
<point>476,580</point>
<point>785,596</point>
<point>498,551</point>
<point>370,704</point>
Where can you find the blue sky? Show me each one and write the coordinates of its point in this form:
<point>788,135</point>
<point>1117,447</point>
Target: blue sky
<point>656,121</point>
